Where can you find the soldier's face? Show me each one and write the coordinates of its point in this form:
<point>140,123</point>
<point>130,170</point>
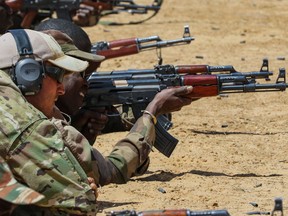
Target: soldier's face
<point>75,90</point>
<point>45,99</point>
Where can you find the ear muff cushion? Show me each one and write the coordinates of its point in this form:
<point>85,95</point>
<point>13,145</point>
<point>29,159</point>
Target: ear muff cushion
<point>29,75</point>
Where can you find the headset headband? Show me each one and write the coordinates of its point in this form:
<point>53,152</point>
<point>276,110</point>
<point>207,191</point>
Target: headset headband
<point>22,41</point>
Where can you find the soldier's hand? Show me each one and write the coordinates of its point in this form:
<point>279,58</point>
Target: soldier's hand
<point>86,16</point>
<point>93,186</point>
<point>90,123</point>
<point>170,100</point>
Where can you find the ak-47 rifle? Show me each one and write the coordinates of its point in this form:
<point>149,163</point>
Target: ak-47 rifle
<point>129,46</point>
<point>277,210</point>
<point>129,6</point>
<point>209,69</point>
<point>136,88</point>
<point>66,8</point>
<point>32,8</point>
<point>177,212</point>
<point>109,7</point>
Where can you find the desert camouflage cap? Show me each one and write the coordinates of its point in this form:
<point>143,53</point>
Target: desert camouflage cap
<point>72,50</point>
<point>68,47</point>
<point>14,192</point>
<point>44,47</point>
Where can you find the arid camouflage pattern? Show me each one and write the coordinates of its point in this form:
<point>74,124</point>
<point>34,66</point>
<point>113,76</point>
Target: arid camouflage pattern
<point>12,192</point>
<point>54,159</point>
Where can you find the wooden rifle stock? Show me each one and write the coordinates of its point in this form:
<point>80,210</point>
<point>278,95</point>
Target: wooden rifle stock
<point>191,69</point>
<point>118,48</point>
<point>203,85</point>
<point>196,80</point>
<point>121,47</point>
<point>122,51</point>
<point>122,42</point>
<point>165,213</point>
<point>203,69</point>
<point>99,6</point>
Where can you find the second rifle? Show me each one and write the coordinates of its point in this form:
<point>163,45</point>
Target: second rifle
<point>130,46</point>
<point>138,88</point>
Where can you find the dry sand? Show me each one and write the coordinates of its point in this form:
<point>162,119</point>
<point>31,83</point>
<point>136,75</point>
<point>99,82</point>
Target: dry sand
<point>231,150</point>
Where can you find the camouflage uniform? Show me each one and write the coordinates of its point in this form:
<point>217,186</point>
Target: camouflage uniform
<point>55,159</point>
<point>12,193</point>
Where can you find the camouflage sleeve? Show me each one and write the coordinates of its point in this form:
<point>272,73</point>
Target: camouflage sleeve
<point>45,155</point>
<point>129,157</point>
<point>43,160</point>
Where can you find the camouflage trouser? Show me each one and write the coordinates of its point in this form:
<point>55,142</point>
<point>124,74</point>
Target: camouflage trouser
<point>9,209</point>
<point>33,210</point>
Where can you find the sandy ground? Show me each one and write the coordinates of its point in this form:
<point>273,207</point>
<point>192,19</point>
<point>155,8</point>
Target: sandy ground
<point>232,150</point>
